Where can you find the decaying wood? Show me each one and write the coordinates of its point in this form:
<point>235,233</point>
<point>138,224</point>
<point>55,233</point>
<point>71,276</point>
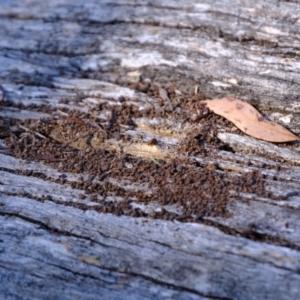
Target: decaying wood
<point>84,52</point>
<point>142,258</point>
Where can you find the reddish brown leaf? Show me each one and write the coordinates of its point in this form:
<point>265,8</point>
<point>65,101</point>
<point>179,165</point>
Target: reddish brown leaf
<point>249,120</point>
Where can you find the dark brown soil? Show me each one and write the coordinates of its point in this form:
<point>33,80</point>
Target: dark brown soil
<point>192,189</point>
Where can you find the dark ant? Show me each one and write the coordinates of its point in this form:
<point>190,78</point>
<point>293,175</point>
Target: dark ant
<point>152,142</point>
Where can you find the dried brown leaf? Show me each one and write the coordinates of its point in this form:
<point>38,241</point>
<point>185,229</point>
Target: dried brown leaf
<point>249,120</point>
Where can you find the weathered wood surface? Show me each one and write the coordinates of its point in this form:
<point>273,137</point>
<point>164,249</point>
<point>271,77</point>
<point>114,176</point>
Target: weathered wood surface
<point>85,50</point>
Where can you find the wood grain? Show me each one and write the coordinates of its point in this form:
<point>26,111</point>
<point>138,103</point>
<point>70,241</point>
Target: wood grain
<point>84,52</point>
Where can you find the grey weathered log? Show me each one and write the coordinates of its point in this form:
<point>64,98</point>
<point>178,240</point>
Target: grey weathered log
<point>181,260</point>
<point>83,51</point>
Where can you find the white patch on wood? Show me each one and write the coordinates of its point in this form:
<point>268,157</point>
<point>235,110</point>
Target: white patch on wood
<point>264,72</point>
<point>213,49</point>
<point>273,30</point>
<point>91,64</point>
<point>134,76</point>
<point>231,81</point>
<point>201,7</point>
<point>219,84</point>
<point>55,247</point>
<point>266,37</point>
<point>283,118</point>
<point>139,60</point>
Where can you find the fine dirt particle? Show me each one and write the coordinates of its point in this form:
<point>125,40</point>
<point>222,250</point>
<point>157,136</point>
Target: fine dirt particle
<point>181,189</point>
